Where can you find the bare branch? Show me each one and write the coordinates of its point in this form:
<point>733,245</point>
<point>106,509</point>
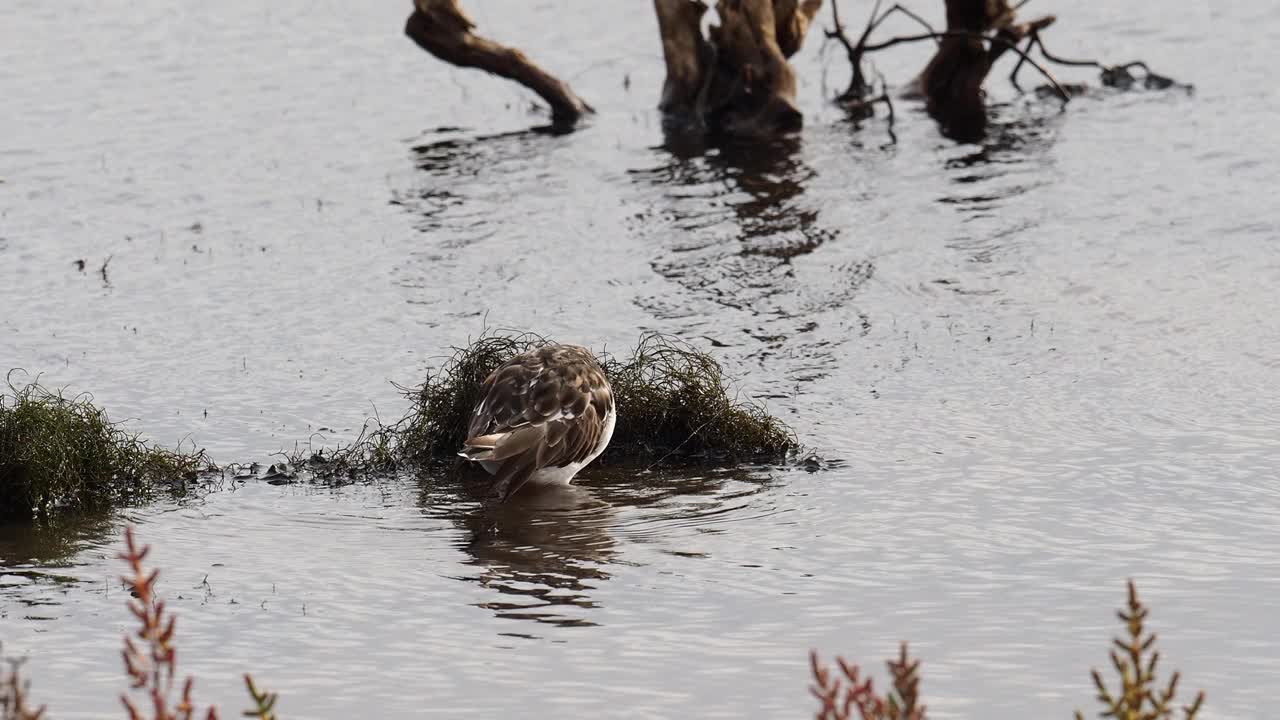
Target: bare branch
<point>996,40</point>
<point>442,28</point>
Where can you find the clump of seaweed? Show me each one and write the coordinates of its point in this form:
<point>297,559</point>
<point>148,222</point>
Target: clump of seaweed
<point>63,453</point>
<point>1140,696</point>
<point>840,700</point>
<point>673,400</point>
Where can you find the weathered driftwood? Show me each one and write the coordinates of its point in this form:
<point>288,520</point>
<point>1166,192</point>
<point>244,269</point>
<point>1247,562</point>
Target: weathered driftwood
<point>442,28</point>
<point>952,81</point>
<point>736,79</point>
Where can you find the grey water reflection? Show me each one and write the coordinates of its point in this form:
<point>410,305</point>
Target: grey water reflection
<point>38,562</point>
<point>546,552</point>
<point>52,543</point>
<point>1010,161</point>
<point>763,184</point>
<point>453,164</point>
<point>986,180</point>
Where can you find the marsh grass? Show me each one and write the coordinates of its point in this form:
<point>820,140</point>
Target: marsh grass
<point>60,452</point>
<point>675,400</point>
<point>674,403</point>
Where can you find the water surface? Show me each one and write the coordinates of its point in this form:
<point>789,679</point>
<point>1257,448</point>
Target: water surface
<point>1039,365</point>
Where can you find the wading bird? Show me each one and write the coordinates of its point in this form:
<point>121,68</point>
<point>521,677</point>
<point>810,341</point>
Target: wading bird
<point>545,415</point>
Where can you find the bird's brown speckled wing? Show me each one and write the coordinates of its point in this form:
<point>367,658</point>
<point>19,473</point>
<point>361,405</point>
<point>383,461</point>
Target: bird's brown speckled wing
<point>544,408</point>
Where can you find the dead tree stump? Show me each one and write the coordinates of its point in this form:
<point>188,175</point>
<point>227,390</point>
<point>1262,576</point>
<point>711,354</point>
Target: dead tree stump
<point>952,81</point>
<point>735,80</point>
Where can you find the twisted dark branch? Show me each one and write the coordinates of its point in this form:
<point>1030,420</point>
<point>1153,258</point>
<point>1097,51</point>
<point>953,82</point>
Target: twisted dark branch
<point>1112,74</point>
<point>858,87</point>
<point>994,40</point>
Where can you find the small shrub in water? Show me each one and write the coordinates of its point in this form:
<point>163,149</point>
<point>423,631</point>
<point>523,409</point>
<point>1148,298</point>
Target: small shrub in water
<point>60,453</point>
<point>672,399</point>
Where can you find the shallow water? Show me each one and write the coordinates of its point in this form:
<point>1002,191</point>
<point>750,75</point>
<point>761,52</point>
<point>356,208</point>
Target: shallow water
<point>1039,366</point>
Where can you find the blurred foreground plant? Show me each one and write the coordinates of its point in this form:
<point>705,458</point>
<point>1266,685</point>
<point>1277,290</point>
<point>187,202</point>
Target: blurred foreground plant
<point>13,694</point>
<point>850,696</point>
<point>1139,696</point>
<point>839,701</point>
<point>264,702</point>
<point>152,662</point>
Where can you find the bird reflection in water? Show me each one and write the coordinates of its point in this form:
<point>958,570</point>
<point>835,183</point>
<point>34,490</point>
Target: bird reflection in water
<point>545,552</point>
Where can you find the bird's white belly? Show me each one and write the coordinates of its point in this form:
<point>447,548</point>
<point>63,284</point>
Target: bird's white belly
<point>564,475</point>
<point>556,475</point>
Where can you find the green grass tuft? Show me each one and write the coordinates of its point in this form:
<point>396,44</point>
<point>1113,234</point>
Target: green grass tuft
<point>674,399</point>
<point>60,453</point>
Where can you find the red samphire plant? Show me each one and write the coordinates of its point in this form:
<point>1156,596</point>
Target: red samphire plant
<point>152,661</point>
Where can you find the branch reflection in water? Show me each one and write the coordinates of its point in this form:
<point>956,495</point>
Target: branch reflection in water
<point>1017,146</point>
